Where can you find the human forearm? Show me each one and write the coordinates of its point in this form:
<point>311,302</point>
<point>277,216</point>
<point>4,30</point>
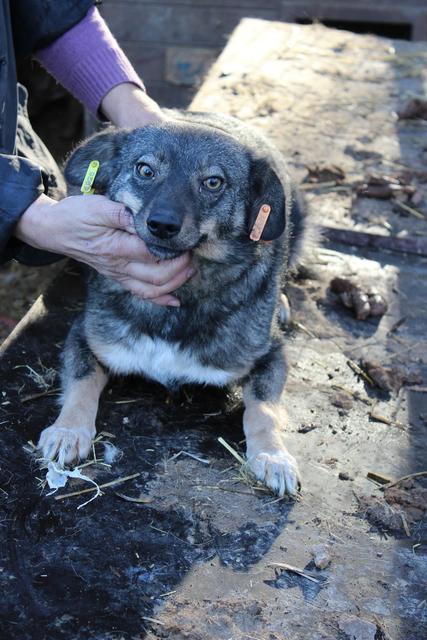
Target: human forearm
<point>88,62</point>
<point>128,106</point>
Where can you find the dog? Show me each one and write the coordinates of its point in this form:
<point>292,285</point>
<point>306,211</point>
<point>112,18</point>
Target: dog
<point>216,187</point>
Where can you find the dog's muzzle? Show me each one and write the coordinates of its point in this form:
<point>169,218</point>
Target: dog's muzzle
<point>164,224</point>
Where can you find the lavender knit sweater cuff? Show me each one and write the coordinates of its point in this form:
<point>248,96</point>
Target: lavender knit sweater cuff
<point>88,62</point>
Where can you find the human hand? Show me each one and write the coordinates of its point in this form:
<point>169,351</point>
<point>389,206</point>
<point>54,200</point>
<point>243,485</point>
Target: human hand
<point>100,233</point>
<point>128,106</point>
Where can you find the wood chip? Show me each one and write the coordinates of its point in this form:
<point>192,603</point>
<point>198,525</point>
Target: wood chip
<point>379,478</point>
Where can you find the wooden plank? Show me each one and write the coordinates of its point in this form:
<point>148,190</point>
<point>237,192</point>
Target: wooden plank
<point>329,97</point>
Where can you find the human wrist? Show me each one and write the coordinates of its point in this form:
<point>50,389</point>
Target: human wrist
<point>30,228</point>
<point>127,105</point>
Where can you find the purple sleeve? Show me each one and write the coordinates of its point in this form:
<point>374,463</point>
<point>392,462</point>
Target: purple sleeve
<point>88,62</point>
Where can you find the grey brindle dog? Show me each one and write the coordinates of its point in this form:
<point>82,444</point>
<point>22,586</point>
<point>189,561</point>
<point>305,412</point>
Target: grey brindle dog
<point>195,183</point>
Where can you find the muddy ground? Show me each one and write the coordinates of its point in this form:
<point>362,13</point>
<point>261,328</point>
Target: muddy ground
<point>188,549</point>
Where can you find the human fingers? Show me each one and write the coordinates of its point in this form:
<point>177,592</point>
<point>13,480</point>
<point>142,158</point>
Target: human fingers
<point>134,249</point>
<point>148,291</point>
<point>161,273</point>
<point>166,301</point>
<point>107,213</point>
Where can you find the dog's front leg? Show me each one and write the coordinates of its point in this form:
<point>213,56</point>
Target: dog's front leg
<point>263,423</point>
<point>83,379</point>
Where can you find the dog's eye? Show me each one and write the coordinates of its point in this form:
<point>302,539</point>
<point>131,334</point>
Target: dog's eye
<point>213,183</point>
<point>145,170</point>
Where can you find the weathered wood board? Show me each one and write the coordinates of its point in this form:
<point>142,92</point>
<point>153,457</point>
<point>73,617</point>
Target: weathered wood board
<point>196,561</point>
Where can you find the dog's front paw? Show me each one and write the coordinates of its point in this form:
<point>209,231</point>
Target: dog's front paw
<point>65,444</point>
<point>278,471</point>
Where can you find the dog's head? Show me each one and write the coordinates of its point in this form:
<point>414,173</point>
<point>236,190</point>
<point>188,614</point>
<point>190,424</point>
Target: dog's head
<point>189,187</point>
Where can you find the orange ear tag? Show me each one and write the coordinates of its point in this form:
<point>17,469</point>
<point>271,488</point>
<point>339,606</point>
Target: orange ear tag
<point>260,222</point>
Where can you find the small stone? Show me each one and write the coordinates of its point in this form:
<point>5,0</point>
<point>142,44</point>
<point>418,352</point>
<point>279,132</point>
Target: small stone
<point>305,428</point>
<point>344,475</point>
<point>321,556</point>
<point>342,400</point>
<point>358,629</point>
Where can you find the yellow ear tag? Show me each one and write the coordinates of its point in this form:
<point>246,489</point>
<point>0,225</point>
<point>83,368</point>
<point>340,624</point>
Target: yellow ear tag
<point>260,222</point>
<point>89,178</point>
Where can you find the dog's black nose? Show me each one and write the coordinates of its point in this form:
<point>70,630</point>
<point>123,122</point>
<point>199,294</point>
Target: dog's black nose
<point>163,225</point>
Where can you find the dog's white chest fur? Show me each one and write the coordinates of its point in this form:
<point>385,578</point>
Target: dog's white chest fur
<point>160,360</point>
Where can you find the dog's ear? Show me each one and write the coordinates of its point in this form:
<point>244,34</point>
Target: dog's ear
<point>267,198</point>
<point>103,147</point>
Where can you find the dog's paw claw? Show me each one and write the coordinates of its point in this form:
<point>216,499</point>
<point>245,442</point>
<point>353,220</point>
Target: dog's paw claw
<point>278,471</point>
<point>65,444</point>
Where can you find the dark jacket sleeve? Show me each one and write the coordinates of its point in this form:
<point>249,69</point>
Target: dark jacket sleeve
<point>20,184</point>
<point>37,23</point>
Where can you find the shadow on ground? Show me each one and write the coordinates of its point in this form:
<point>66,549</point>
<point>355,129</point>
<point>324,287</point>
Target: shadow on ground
<point>99,571</point>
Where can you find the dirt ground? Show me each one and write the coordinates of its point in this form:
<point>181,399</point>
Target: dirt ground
<point>186,547</point>
<point>19,288</point>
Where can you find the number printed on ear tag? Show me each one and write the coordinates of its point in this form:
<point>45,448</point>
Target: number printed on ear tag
<point>260,222</point>
<point>89,178</point>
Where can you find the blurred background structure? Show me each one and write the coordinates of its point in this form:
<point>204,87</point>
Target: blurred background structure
<point>173,43</point>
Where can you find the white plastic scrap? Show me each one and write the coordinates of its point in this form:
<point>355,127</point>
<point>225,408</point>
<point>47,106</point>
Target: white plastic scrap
<point>110,452</point>
<point>57,477</point>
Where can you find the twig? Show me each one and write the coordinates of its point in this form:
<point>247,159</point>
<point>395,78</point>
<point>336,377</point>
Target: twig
<point>289,567</point>
<point>380,625</point>
<point>405,525</point>
<point>355,394</point>
<point>153,620</point>
<point>190,455</point>
<point>312,186</point>
<point>396,325</point>
<point>300,326</point>
<point>380,418</point>
<point>408,477</point>
<point>130,499</point>
<point>231,450</point>
<point>360,371</point>
<point>378,477</point>
<point>35,396</point>
<point>101,486</point>
<point>411,210</point>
